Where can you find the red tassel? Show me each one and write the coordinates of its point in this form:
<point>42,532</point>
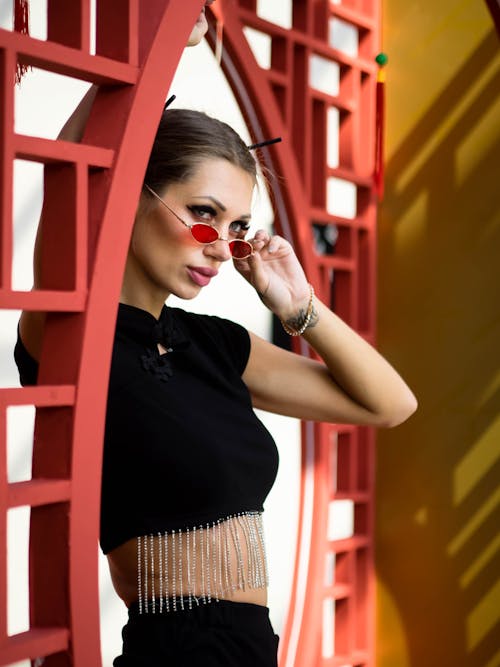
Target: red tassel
<point>21,24</point>
<point>379,139</point>
<point>378,175</point>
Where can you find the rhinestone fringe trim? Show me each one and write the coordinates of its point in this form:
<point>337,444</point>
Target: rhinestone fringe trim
<point>171,564</point>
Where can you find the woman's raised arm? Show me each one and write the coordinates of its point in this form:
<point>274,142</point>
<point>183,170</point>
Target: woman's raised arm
<point>354,385</point>
<point>32,322</point>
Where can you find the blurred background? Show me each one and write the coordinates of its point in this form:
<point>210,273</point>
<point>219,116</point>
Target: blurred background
<point>438,475</point>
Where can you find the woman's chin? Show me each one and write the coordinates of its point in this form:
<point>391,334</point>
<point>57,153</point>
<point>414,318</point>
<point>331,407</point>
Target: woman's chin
<point>187,293</point>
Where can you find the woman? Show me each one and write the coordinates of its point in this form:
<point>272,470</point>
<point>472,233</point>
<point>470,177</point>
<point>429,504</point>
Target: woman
<point>187,464</point>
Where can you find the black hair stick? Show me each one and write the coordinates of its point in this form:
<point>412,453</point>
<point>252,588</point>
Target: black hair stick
<point>169,101</point>
<point>268,142</point>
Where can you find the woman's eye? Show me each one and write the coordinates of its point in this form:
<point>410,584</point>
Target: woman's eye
<point>239,227</point>
<point>205,213</point>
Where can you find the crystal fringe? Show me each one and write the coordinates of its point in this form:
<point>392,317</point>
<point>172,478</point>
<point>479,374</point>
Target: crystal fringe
<point>200,555</point>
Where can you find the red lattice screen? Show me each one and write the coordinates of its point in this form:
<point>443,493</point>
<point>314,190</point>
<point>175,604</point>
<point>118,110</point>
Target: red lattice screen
<point>88,217</point>
<point>330,620</point>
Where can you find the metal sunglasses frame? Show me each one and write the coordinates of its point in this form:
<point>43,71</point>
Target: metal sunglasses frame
<point>204,224</point>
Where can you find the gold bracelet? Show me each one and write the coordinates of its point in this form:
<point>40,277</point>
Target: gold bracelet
<point>307,319</point>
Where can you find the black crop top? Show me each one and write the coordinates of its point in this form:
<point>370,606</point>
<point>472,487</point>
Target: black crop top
<point>183,446</point>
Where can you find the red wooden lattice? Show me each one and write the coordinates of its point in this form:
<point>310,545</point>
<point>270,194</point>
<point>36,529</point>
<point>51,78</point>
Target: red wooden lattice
<point>89,215</point>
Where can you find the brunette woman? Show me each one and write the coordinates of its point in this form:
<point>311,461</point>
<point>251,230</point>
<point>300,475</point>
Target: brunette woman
<point>187,463</point>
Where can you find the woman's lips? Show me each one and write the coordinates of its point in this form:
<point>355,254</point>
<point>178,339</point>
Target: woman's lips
<point>201,275</point>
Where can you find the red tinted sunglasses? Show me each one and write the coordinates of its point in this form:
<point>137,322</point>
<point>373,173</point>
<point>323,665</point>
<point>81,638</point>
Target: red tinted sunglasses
<point>204,233</point>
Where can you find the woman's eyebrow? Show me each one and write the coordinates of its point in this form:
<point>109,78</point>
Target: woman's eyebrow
<point>244,216</point>
<point>215,201</point>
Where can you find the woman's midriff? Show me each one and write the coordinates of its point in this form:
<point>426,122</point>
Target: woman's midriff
<point>225,560</point>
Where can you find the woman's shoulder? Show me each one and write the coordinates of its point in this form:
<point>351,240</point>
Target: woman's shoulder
<point>227,336</point>
<point>207,322</point>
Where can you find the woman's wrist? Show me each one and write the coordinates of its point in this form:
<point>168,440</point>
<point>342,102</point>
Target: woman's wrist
<point>305,318</point>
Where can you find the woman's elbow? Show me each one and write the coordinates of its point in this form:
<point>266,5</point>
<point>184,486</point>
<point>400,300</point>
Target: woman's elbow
<point>399,412</point>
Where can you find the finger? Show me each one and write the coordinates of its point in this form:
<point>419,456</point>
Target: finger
<point>251,268</point>
<point>274,244</point>
<point>260,240</point>
<point>257,276</point>
<point>262,235</point>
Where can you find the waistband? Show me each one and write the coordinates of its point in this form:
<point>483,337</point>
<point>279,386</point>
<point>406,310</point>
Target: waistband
<point>220,612</point>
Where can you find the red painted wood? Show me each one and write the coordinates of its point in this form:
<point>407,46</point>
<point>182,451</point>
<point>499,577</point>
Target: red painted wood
<point>117,36</point>
<point>48,151</point>
<point>43,300</point>
<point>7,69</point>
<point>3,524</point>
<point>33,643</point>
<point>41,396</point>
<point>62,59</point>
<point>38,492</point>
<point>69,23</point>
<point>126,127</point>
<point>77,343</point>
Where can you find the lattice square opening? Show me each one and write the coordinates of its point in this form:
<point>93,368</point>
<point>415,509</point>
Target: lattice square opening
<point>260,43</point>
<point>340,525</point>
<point>328,628</point>
<point>27,205</point>
<point>20,427</point>
<point>40,115</point>
<point>18,521</point>
<point>324,75</point>
<point>279,13</point>
<point>341,197</point>
<point>343,36</point>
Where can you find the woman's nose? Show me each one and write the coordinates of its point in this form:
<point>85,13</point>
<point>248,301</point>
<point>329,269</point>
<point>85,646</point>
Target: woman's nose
<point>219,249</point>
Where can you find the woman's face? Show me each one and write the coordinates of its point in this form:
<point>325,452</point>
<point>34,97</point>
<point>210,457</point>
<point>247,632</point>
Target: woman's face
<point>163,257</point>
<point>200,27</point>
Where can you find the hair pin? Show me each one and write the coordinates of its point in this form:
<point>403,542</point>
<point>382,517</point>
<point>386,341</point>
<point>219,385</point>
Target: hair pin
<point>169,101</point>
<point>276,140</point>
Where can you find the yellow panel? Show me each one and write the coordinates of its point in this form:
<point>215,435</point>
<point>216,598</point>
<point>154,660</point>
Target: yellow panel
<point>438,475</point>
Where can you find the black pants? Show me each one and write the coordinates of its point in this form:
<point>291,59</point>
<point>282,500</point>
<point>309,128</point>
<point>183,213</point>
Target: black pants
<point>219,634</point>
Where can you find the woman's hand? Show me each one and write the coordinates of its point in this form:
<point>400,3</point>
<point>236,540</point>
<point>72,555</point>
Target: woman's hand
<point>276,274</point>
<point>355,385</point>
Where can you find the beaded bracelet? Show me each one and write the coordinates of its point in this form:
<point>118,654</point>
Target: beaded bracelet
<point>307,319</point>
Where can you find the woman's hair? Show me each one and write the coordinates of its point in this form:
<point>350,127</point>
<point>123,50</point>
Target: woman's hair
<point>184,139</point>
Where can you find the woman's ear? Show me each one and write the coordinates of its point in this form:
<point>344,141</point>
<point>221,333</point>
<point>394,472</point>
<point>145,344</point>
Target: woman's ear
<point>145,204</point>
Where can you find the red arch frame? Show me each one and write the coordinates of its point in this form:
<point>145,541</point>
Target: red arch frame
<point>137,54</point>
<point>280,102</point>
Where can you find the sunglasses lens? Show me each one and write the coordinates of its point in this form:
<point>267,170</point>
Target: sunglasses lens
<point>208,234</point>
<point>240,249</point>
<point>204,233</point>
